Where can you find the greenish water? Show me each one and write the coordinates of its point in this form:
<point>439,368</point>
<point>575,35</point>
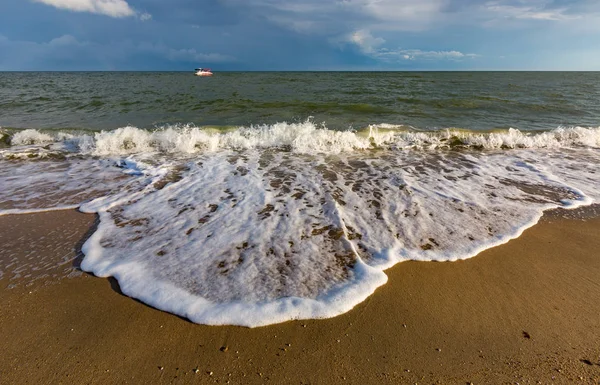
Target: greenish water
<point>341,100</point>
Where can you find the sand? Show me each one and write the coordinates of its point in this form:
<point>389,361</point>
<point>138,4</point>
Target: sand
<point>525,312</point>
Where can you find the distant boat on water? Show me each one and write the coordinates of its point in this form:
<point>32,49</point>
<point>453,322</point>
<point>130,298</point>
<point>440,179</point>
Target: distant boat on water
<point>203,72</point>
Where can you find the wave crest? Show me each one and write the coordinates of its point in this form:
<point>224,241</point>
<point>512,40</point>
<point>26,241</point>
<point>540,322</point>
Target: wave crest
<point>303,138</point>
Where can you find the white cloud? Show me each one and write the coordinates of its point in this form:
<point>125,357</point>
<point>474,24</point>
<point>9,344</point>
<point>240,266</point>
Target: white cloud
<point>366,42</point>
<point>145,16</point>
<point>64,40</point>
<point>371,46</point>
<point>417,54</point>
<point>113,8</point>
<point>531,12</point>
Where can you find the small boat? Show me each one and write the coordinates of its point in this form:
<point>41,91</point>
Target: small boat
<point>203,72</point>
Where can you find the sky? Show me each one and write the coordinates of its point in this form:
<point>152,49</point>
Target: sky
<point>246,35</point>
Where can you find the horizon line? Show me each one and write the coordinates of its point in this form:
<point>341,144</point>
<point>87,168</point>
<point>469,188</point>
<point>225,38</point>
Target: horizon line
<point>312,70</point>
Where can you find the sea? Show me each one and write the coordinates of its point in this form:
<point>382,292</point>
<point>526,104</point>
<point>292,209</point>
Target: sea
<point>253,198</point>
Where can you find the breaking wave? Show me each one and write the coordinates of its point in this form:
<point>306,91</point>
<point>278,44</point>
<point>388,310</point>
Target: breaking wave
<point>301,138</point>
<point>262,224</point>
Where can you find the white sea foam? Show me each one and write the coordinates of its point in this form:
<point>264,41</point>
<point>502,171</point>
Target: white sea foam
<point>561,137</point>
<point>30,136</point>
<point>308,138</point>
<point>257,237</point>
<point>264,224</point>
<point>301,138</point>
<point>50,184</point>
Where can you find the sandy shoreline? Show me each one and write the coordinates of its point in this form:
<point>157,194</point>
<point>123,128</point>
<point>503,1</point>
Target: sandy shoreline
<point>526,312</point>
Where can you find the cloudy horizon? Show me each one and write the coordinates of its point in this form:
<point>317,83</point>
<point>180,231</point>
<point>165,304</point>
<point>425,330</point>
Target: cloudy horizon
<point>303,35</point>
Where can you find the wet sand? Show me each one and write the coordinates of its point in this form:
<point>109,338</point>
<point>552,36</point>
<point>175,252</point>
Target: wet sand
<point>525,312</point>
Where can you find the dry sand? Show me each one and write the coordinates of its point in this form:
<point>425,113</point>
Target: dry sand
<point>526,312</point>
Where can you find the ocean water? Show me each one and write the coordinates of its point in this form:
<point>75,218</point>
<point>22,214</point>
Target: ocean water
<point>256,198</point>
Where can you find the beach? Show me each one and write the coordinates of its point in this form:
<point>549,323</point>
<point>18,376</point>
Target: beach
<point>524,312</point>
<point>300,228</point>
